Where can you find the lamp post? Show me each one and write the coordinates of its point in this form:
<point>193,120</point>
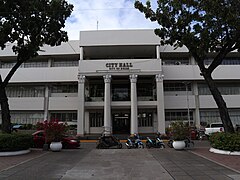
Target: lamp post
<point>188,111</point>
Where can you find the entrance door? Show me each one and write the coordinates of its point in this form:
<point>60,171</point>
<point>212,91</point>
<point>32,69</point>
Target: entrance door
<point>121,123</point>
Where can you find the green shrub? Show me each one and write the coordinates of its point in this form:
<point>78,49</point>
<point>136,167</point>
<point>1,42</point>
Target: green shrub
<point>27,126</point>
<point>180,130</point>
<point>225,141</point>
<point>15,142</point>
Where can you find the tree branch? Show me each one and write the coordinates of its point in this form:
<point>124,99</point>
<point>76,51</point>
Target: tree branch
<point>227,48</point>
<point>197,58</point>
<point>12,71</point>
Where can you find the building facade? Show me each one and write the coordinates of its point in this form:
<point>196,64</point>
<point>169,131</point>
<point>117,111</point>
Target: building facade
<point>120,81</point>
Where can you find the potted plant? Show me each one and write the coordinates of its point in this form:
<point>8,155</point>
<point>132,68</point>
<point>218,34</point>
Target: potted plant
<point>54,132</point>
<point>180,131</point>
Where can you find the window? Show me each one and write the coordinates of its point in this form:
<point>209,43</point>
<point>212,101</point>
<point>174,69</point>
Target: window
<point>178,116</point>
<point>213,116</point>
<point>224,88</point>
<point>26,117</point>
<point>25,91</point>
<point>7,65</point>
<point>226,61</point>
<point>209,117</point>
<point>66,63</point>
<point>120,92</point>
<point>64,116</point>
<point>145,119</point>
<point>217,125</point>
<point>175,61</point>
<point>145,89</point>
<point>231,61</point>
<point>96,90</point>
<point>64,88</point>
<point>96,119</point>
<point>41,63</point>
<point>176,86</point>
<point>33,64</point>
<point>29,64</point>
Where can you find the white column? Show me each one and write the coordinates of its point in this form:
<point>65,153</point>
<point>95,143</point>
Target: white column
<point>159,56</point>
<point>107,104</point>
<point>158,51</point>
<point>160,103</point>
<point>81,98</point>
<point>87,125</point>
<point>50,62</point>
<point>197,105</point>
<point>46,103</point>
<point>192,60</point>
<point>81,53</point>
<point>134,110</point>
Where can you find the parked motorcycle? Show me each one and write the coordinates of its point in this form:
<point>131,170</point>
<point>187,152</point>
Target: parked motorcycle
<point>106,142</point>
<point>201,135</point>
<point>189,143</point>
<point>156,143</point>
<point>134,142</point>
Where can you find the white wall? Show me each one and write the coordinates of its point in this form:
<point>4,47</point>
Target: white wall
<point>68,74</point>
<point>179,102</point>
<point>98,67</point>
<point>53,74</point>
<point>27,103</point>
<point>192,72</point>
<point>37,103</point>
<point>63,103</point>
<point>70,47</point>
<point>118,37</point>
<point>207,101</point>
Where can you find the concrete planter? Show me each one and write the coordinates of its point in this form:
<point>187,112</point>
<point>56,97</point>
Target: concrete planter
<point>56,146</point>
<point>178,145</point>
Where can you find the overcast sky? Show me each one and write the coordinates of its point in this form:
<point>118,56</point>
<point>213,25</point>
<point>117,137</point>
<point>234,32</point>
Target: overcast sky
<point>105,15</point>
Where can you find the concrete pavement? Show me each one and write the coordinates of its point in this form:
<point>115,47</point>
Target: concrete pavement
<point>90,163</point>
<point>119,164</point>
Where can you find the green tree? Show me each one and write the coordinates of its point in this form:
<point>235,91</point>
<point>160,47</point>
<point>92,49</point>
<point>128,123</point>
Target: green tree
<point>203,26</point>
<point>29,24</point>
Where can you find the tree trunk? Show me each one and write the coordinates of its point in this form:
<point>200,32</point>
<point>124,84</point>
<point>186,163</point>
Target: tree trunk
<point>227,123</point>
<point>6,121</point>
<point>6,118</point>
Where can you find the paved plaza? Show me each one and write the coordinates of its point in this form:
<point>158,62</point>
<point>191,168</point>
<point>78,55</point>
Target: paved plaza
<point>90,163</point>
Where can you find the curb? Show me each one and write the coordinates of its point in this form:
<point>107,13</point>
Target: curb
<point>218,151</point>
<point>14,153</point>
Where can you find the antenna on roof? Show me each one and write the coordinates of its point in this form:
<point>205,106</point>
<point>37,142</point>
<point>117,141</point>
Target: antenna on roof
<point>97,24</point>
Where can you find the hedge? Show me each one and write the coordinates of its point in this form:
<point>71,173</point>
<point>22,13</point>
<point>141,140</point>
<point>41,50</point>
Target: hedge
<point>15,142</point>
<point>225,141</point>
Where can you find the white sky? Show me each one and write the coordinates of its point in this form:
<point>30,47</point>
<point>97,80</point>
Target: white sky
<point>105,15</point>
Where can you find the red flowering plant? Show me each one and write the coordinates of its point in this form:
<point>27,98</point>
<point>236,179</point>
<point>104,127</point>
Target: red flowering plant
<point>53,129</point>
<point>40,126</point>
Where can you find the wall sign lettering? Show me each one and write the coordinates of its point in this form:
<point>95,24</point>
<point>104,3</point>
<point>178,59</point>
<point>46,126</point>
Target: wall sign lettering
<point>119,66</point>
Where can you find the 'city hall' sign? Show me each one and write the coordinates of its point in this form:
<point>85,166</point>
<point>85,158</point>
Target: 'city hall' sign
<point>119,66</point>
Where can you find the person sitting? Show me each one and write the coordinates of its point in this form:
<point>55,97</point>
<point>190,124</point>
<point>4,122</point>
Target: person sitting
<point>158,135</point>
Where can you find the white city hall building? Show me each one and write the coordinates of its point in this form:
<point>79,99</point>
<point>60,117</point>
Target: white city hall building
<point>122,81</point>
